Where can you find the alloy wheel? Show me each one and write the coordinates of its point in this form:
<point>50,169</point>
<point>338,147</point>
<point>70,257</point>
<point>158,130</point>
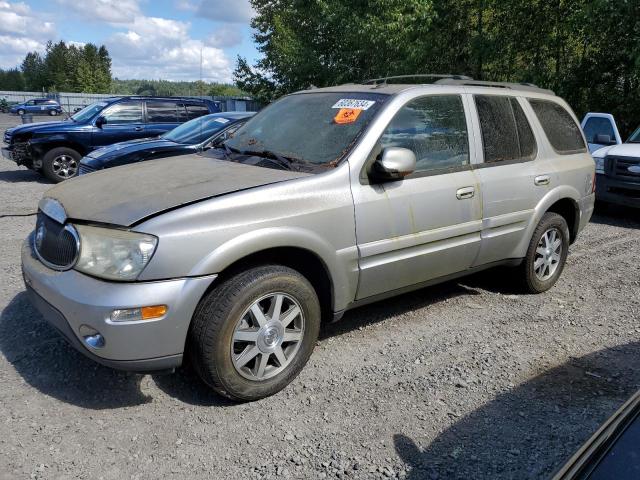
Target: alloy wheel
<point>267,337</point>
<point>65,166</point>
<point>548,254</point>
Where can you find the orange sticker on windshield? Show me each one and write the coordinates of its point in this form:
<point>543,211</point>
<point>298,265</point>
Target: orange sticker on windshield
<point>347,115</point>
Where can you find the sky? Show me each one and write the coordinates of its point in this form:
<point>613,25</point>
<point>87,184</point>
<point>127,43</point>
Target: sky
<point>150,39</point>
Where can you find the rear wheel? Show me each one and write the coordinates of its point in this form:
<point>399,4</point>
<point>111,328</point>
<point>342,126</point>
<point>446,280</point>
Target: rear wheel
<point>253,334</point>
<point>61,164</point>
<point>547,253</point>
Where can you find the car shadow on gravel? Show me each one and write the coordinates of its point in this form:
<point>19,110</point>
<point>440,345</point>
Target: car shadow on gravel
<point>616,216</point>
<point>44,359</point>
<point>531,430</point>
<point>15,176</point>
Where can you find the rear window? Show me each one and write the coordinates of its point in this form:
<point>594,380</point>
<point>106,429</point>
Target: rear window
<point>161,112</point>
<point>598,126</point>
<point>506,133</point>
<point>195,111</point>
<point>559,127</point>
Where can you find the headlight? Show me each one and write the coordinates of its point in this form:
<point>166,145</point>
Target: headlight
<point>599,164</point>
<point>114,254</point>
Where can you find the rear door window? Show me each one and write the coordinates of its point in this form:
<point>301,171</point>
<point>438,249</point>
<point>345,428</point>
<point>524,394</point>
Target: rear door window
<point>195,111</point>
<point>559,127</point>
<point>161,112</point>
<point>506,133</point>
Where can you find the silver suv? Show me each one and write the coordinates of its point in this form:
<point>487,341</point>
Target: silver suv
<point>326,200</point>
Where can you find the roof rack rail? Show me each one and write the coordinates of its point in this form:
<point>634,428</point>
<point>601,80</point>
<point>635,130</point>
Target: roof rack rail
<point>529,87</point>
<point>432,76</point>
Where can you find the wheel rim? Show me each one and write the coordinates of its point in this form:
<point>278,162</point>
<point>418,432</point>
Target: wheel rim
<point>548,254</point>
<point>267,337</point>
<point>64,166</point>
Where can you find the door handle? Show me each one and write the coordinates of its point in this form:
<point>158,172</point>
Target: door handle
<point>137,129</point>
<point>466,192</point>
<point>542,180</point>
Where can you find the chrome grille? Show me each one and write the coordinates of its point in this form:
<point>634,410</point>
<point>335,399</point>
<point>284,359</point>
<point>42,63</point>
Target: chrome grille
<point>56,245</point>
<point>621,167</point>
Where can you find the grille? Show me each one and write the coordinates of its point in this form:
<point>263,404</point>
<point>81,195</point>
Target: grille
<point>621,167</point>
<point>84,169</point>
<point>55,244</point>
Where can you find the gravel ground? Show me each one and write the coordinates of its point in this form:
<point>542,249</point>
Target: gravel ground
<point>464,380</point>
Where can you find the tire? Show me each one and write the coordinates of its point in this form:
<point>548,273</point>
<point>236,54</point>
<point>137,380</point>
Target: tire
<point>542,266</point>
<point>216,350</point>
<point>53,113</point>
<point>60,164</point>
<point>21,112</point>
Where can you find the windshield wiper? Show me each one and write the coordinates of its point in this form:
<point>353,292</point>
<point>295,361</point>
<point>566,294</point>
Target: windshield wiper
<point>285,161</point>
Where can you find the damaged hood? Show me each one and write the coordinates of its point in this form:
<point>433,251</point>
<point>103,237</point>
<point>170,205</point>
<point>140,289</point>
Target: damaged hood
<point>128,194</point>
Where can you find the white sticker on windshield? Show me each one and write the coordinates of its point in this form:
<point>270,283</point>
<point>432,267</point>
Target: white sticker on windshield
<point>354,103</point>
<point>222,120</point>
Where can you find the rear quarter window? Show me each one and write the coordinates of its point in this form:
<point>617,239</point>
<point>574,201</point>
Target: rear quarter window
<point>559,126</point>
<point>195,111</point>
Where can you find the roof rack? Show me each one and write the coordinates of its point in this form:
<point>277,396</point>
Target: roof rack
<point>433,77</point>
<point>530,87</point>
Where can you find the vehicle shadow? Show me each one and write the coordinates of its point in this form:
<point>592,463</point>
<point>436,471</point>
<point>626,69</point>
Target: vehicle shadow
<point>531,430</point>
<point>44,359</point>
<point>15,176</point>
<point>616,216</point>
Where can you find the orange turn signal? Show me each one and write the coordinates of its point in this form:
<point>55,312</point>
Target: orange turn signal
<point>155,311</point>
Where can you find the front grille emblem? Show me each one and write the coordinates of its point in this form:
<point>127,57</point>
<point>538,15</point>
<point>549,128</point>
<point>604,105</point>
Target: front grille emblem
<point>634,169</point>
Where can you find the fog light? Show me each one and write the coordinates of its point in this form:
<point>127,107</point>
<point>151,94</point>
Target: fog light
<point>138,314</point>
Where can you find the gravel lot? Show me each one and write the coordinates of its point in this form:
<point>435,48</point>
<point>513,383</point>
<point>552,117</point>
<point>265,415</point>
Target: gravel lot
<point>464,380</point>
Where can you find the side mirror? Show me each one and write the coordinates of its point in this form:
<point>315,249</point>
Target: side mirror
<point>602,139</point>
<point>394,163</point>
<point>100,121</point>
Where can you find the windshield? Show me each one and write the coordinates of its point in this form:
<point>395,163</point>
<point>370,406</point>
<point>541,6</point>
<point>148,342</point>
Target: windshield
<point>89,112</point>
<point>316,128</point>
<point>197,130</point>
<point>635,136</point>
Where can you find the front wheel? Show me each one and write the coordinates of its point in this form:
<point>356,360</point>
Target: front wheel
<point>60,164</point>
<point>547,253</point>
<point>53,113</point>
<point>253,334</point>
<point>21,112</point>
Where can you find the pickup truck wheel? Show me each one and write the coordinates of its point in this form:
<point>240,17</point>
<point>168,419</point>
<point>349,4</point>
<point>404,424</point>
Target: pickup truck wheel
<point>547,253</point>
<point>60,164</point>
<point>253,334</point>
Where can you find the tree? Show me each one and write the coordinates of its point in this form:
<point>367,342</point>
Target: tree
<point>33,71</point>
<point>11,80</point>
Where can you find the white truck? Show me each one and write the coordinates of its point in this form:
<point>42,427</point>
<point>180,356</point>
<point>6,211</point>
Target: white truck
<point>617,162</point>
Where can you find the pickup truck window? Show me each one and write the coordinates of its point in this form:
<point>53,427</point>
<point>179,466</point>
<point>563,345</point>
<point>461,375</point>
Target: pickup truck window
<point>598,126</point>
<point>561,130</point>
<point>161,112</point>
<point>506,133</point>
<point>434,128</point>
<point>125,112</point>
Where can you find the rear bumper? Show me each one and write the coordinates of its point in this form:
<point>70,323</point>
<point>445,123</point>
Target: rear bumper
<point>586,206</point>
<point>618,192</point>
<point>73,302</point>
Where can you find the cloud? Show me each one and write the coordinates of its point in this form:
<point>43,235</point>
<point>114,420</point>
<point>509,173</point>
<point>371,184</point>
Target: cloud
<point>235,11</point>
<point>111,11</point>
<point>162,48</point>
<point>226,36</point>
<point>21,31</point>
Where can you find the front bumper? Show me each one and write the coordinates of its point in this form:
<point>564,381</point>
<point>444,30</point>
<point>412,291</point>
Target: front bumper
<point>6,153</point>
<point>618,192</point>
<point>70,300</point>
